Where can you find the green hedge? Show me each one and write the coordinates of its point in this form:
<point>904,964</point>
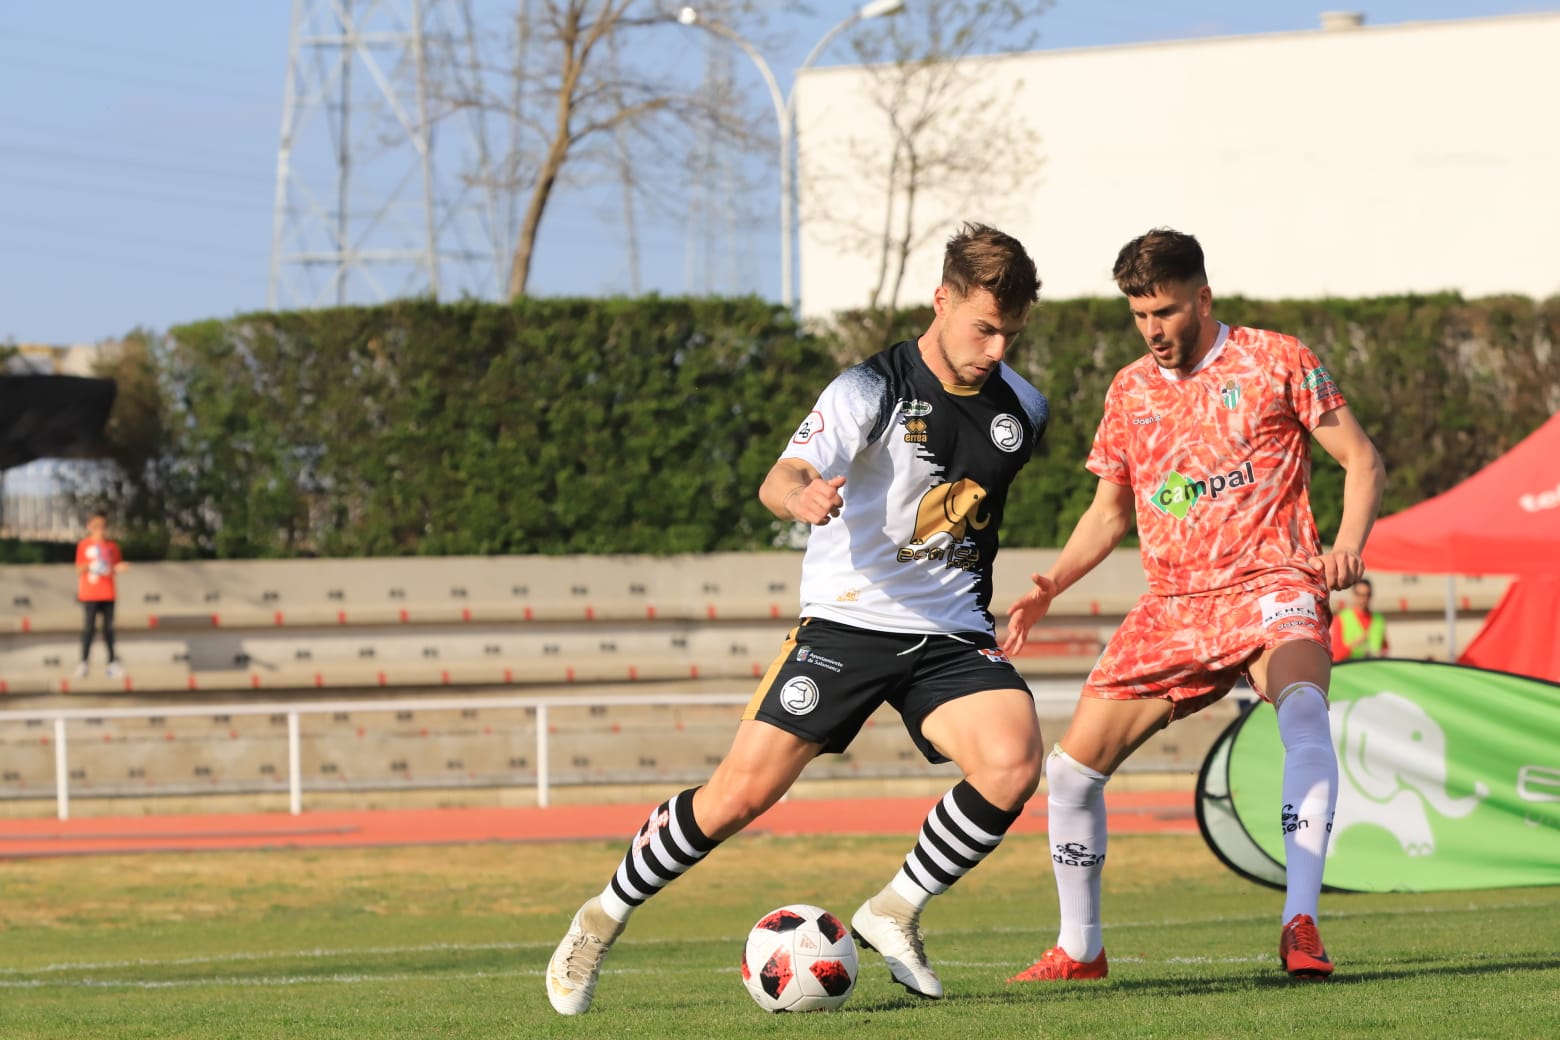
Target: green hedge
<point>646,425</point>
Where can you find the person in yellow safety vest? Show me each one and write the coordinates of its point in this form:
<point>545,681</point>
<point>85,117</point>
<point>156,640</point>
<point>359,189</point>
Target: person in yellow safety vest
<point>1357,632</point>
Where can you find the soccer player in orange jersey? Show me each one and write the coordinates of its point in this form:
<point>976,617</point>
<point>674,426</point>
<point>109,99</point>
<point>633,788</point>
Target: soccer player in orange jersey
<point>1205,440</point>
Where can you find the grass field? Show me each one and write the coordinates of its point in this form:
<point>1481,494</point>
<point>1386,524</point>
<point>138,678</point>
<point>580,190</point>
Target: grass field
<point>451,943</point>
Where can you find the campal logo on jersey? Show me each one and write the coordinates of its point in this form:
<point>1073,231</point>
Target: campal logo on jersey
<point>810,428</point>
<point>1178,494</point>
<point>1007,433</point>
<point>799,695</point>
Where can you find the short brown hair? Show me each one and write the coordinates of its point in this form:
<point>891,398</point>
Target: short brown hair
<point>981,257</point>
<point>1160,258</point>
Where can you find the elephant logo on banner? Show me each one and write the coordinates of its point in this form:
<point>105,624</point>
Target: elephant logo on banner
<point>1392,771</point>
<point>950,509</point>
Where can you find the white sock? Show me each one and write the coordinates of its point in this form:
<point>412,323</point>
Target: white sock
<point>1310,793</point>
<point>913,893</point>
<point>614,905</point>
<point>1076,812</point>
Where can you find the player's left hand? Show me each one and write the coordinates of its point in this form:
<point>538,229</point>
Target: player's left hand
<point>1340,568</point>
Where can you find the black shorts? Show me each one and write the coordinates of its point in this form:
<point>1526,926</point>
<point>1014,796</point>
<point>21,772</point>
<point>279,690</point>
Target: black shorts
<point>830,678</point>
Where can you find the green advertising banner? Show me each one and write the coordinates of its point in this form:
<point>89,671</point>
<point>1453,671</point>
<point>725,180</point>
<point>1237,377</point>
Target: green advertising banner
<point>1448,778</point>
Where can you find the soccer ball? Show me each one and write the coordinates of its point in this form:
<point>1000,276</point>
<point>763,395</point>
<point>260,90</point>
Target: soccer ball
<point>799,958</point>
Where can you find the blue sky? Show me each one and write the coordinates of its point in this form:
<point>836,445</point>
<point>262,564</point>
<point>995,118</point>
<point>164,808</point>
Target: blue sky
<point>138,148</point>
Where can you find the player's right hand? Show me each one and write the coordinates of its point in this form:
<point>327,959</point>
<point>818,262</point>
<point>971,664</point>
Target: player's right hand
<point>817,502</point>
<point>1026,610</point>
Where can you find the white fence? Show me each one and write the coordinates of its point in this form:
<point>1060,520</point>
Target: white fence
<point>296,710</point>
<point>1053,699</point>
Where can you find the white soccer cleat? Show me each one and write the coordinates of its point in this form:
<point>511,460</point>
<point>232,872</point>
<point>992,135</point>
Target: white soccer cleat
<point>888,924</point>
<point>576,963</point>
<point>114,670</point>
<point>81,670</point>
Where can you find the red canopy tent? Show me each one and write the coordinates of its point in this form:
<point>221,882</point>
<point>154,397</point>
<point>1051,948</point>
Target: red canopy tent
<point>1505,519</point>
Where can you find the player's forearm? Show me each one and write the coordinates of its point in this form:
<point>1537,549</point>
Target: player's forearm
<point>784,481</point>
<point>1097,533</point>
<point>1363,481</point>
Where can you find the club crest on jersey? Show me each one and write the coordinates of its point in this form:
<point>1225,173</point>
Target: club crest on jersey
<point>993,654</point>
<point>1230,395</point>
<point>917,409</point>
<point>810,428</point>
<point>1178,494</point>
<point>799,695</point>
<point>1007,433</point>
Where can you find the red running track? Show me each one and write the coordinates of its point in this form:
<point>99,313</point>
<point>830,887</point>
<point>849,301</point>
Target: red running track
<point>1144,812</point>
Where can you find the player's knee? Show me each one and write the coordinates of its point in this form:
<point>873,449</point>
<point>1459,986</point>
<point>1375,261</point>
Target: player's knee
<point>1008,778</point>
<point>731,807</point>
<point>1026,780</point>
<point>1302,717</point>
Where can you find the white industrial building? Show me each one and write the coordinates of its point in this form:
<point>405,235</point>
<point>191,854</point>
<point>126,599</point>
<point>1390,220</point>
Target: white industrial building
<point>1352,160</point>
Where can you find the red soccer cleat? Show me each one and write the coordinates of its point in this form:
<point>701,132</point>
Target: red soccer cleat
<point>1055,966</point>
<point>1300,950</point>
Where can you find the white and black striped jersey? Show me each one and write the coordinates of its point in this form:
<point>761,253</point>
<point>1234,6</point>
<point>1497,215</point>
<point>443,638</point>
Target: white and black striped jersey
<point>927,469</point>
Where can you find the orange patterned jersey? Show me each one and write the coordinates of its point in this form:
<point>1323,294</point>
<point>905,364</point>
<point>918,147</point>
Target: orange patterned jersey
<point>1219,461</point>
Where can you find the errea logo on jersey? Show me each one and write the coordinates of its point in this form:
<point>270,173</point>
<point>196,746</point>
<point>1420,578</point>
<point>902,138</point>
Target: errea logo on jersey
<point>1178,494</point>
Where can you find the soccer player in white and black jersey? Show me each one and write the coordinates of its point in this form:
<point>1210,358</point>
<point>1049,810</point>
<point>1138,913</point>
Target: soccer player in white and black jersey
<point>903,469</point>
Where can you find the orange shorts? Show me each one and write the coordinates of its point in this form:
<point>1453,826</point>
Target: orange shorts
<point>1190,650</point>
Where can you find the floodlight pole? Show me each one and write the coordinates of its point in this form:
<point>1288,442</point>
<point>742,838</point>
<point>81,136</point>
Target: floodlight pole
<point>785,117</point>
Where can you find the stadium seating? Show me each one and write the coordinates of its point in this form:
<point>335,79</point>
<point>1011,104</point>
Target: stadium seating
<point>534,621</point>
<point>226,632</point>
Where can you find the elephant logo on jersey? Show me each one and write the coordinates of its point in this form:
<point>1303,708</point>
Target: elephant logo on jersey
<point>950,509</point>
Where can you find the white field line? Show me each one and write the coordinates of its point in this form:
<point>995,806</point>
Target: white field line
<point>28,978</point>
<point>359,978</point>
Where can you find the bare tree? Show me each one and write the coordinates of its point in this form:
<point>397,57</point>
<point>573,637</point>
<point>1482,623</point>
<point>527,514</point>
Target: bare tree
<point>944,131</point>
<point>591,90</point>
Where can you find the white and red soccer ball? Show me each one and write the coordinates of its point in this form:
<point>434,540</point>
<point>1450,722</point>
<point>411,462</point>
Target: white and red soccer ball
<point>799,958</point>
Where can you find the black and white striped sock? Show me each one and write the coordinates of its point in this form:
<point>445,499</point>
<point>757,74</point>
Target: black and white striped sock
<point>669,843</point>
<point>960,831</point>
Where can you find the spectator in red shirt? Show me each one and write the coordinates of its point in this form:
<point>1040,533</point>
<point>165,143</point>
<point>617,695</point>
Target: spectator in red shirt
<point>98,561</point>
<point>1358,631</point>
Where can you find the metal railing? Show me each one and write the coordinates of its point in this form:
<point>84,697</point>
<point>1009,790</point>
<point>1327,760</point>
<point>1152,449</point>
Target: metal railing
<point>294,711</point>
<point>1051,697</point>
